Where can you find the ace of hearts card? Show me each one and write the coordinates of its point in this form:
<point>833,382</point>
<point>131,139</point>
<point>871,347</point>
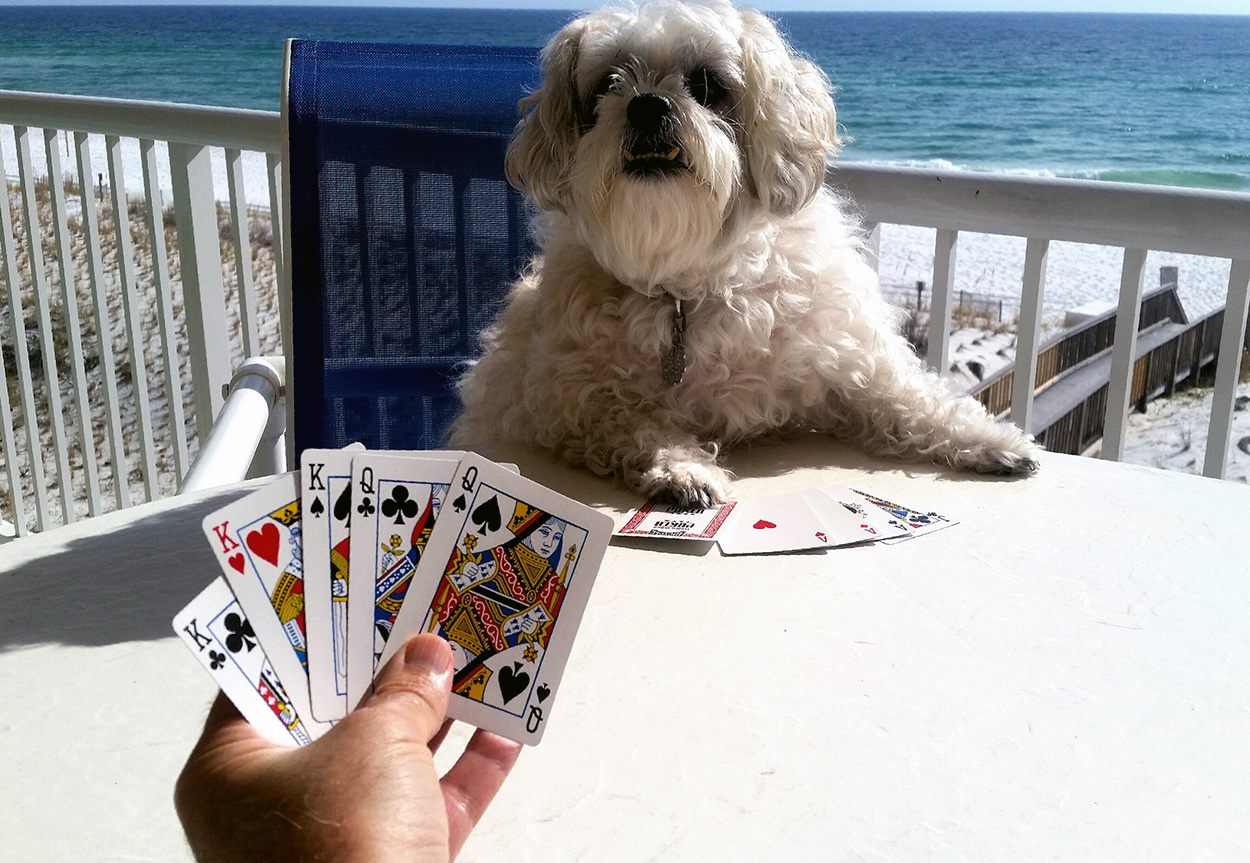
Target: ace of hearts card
<point>505,579</point>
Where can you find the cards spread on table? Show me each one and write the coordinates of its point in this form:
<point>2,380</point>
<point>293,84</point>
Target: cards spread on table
<point>326,573</point>
<point>821,518</point>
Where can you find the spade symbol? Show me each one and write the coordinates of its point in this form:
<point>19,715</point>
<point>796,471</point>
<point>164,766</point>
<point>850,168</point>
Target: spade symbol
<point>459,504</point>
<point>542,691</point>
<point>343,504</point>
<point>487,516</point>
<point>400,506</point>
<point>317,507</point>
<point>512,681</point>
<point>241,633</point>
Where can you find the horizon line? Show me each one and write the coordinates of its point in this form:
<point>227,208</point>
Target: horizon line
<point>459,5</point>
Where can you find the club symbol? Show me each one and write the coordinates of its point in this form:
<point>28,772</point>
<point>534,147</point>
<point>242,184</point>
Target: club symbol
<point>216,660</point>
<point>241,633</point>
<point>366,507</point>
<point>400,506</point>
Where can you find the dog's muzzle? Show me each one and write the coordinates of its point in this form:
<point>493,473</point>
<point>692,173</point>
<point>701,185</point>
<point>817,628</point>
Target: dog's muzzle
<point>652,147</point>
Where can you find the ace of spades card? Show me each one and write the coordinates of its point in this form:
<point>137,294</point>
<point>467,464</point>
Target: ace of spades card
<point>396,500</point>
<point>505,580</point>
<point>258,543</point>
<point>326,504</point>
<point>218,632</point>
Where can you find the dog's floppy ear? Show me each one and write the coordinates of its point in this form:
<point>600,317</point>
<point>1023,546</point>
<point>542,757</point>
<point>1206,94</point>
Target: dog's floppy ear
<point>542,146</point>
<point>789,119</point>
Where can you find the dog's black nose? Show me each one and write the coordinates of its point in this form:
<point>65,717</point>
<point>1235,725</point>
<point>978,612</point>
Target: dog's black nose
<point>646,112</point>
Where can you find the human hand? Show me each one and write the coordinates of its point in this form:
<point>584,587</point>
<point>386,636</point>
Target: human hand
<point>367,790</point>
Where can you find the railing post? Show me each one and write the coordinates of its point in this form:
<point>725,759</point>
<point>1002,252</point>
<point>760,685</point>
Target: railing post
<point>241,235</point>
<point>104,332</point>
<point>25,381</point>
<point>135,337</point>
<point>1122,354</point>
<point>940,304</point>
<point>195,209</point>
<point>1227,370</point>
<point>1029,332</point>
<point>76,358</point>
<point>51,380</point>
<point>164,304</point>
<point>872,245</point>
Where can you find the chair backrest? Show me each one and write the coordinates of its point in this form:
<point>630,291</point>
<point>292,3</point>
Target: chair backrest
<point>405,234</point>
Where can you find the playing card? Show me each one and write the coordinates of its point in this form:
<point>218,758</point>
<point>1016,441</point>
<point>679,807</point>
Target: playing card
<point>397,497</point>
<point>919,522</point>
<point>326,504</point>
<point>876,523</point>
<point>674,521</point>
<point>219,633</point>
<point>505,579</point>
<point>771,525</point>
<point>257,541</point>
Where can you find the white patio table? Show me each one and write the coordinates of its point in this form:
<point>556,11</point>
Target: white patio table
<point>1065,675</point>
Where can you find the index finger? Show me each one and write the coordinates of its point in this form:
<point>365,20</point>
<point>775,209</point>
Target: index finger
<point>472,782</point>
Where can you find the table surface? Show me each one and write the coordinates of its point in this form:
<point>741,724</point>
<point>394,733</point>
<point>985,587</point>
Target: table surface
<point>1061,676</point>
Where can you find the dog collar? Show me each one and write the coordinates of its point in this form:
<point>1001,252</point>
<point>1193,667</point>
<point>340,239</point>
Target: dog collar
<point>674,366</point>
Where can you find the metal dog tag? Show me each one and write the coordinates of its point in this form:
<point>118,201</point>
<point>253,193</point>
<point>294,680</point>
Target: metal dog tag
<point>674,367</point>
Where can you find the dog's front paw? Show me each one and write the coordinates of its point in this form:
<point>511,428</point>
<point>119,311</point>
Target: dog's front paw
<point>681,479</point>
<point>1020,458</point>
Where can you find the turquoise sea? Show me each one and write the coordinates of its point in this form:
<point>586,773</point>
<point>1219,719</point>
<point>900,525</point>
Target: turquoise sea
<point>1140,98</point>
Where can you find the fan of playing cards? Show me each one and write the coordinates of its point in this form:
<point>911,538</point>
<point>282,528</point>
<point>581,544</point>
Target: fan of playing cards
<point>329,571</point>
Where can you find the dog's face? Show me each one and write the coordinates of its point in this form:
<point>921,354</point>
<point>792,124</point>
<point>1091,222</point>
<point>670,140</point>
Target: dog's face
<point>662,131</point>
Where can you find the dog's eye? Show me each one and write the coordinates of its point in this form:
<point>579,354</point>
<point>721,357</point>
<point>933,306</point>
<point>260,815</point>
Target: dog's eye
<point>705,87</point>
<point>602,88</point>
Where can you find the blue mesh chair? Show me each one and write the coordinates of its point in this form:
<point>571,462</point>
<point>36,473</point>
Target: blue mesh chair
<point>404,231</point>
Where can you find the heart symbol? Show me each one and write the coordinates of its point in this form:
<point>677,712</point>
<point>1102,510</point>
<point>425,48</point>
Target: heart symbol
<point>237,561</point>
<point>512,682</point>
<point>264,543</point>
<point>543,692</point>
<point>763,525</point>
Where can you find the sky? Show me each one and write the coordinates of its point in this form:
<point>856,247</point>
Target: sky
<point>1193,7</point>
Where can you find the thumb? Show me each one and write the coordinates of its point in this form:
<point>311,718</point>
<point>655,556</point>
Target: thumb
<point>417,684</point>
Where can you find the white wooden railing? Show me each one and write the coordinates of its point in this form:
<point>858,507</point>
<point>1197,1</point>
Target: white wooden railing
<point>37,443</point>
<point>193,304</point>
<point>1133,217</point>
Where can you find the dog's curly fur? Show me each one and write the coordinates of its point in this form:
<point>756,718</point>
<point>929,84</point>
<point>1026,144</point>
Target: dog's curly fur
<point>678,151</point>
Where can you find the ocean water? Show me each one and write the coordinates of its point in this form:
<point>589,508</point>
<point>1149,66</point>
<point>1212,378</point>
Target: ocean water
<point>1138,98</point>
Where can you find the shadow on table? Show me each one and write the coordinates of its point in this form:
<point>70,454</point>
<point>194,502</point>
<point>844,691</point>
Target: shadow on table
<point>122,578</point>
<point>115,578</point>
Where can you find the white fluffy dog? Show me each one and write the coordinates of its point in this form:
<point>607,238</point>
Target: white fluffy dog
<point>698,285</point>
